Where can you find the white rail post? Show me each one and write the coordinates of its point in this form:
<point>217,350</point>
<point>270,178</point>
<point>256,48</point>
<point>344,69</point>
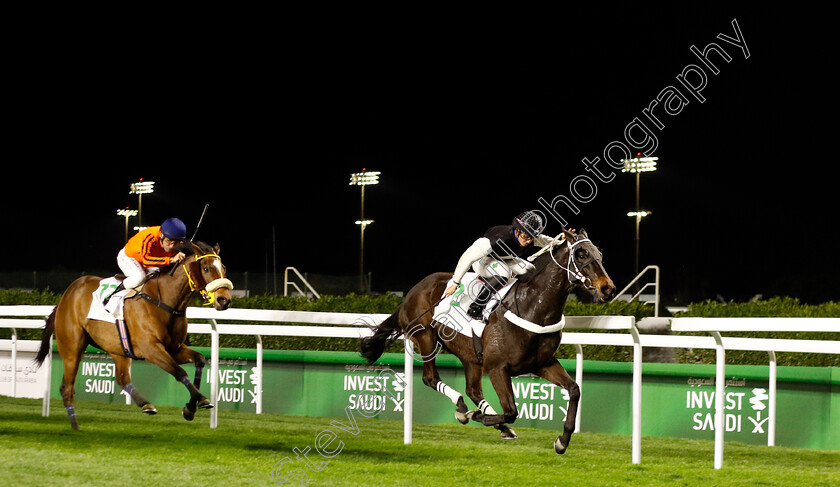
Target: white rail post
<point>408,410</point>
<point>258,395</point>
<point>720,385</point>
<point>636,454</point>
<point>579,380</point>
<point>771,423</point>
<point>45,406</point>
<point>14,362</point>
<point>214,371</point>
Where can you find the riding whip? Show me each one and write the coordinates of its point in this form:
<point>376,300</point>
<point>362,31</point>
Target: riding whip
<point>199,221</point>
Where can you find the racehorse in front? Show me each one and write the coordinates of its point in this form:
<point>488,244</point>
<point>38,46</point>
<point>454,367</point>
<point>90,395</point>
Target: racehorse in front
<point>155,326</point>
<point>521,336</point>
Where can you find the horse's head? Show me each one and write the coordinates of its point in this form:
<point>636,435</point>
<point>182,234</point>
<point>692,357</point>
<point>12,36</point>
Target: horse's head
<point>584,266</point>
<point>206,274</point>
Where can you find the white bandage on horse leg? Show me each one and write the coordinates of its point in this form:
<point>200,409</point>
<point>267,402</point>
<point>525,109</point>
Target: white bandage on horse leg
<point>449,392</point>
<point>486,408</point>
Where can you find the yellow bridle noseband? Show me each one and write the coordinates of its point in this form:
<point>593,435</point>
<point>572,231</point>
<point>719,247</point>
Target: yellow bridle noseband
<point>208,292</point>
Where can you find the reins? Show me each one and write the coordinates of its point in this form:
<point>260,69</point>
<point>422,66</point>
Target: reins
<point>573,272</point>
<point>207,291</point>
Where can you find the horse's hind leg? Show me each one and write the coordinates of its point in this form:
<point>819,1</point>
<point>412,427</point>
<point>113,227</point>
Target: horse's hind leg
<point>71,360</point>
<point>556,374</point>
<point>186,355</point>
<point>123,371</point>
<point>71,345</point>
<point>427,344</point>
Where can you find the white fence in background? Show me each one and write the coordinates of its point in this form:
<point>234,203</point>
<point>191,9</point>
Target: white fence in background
<point>352,325</point>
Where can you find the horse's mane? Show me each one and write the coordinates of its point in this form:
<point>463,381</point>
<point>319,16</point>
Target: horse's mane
<point>540,264</point>
<point>188,249</point>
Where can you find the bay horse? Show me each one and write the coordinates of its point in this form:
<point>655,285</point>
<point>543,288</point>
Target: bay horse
<point>538,297</point>
<point>156,323</point>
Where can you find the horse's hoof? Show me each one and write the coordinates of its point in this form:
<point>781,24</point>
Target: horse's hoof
<point>507,433</point>
<point>149,409</point>
<point>471,415</point>
<point>559,447</point>
<point>188,414</point>
<point>462,416</point>
<point>204,403</point>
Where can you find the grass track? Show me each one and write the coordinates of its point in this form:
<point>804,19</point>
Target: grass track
<point>118,445</point>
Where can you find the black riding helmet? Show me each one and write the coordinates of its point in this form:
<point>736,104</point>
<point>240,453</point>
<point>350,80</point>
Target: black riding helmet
<point>529,222</point>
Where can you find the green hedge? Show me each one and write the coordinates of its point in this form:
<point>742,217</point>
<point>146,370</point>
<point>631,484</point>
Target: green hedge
<point>388,303</point>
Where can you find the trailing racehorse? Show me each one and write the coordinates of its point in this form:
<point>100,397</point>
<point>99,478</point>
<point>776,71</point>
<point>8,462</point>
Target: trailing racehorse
<point>156,324</point>
<point>521,336</point>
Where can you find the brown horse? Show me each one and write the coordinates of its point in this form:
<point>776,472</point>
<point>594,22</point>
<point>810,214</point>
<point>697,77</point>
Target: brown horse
<point>156,322</point>
<point>538,297</point>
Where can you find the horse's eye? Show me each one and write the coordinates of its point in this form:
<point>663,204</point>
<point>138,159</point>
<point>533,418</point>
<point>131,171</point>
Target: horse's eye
<point>581,254</point>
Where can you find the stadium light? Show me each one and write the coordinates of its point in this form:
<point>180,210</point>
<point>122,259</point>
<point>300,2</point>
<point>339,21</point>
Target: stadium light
<point>638,165</point>
<point>127,214</point>
<point>362,179</point>
<point>140,188</point>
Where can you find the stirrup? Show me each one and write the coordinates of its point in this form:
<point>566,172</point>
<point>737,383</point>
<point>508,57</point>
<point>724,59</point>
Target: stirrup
<point>119,288</point>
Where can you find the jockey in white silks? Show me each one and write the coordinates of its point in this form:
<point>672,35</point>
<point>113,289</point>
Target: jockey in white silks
<point>497,256</point>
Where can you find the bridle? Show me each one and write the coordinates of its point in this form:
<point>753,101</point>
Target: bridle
<point>573,272</point>
<point>207,290</point>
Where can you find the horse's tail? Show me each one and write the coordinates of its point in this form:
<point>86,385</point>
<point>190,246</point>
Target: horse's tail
<point>373,346</point>
<point>49,329</point>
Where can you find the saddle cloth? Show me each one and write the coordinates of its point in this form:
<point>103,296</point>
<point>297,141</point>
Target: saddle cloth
<point>114,310</point>
<point>452,311</point>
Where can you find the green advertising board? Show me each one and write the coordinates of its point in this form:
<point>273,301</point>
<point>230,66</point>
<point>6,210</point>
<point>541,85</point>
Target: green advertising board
<point>677,399</point>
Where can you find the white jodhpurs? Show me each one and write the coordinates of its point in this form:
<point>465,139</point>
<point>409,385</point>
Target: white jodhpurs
<point>135,274</point>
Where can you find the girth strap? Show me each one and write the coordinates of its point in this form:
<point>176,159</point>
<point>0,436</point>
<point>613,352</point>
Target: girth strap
<point>160,304</point>
<point>125,339</point>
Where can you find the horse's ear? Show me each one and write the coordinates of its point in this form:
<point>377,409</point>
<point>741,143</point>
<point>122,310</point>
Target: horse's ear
<point>217,249</point>
<point>582,233</point>
<point>570,237</point>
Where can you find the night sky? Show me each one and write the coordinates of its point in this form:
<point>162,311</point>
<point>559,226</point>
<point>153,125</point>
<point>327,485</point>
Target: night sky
<point>471,119</point>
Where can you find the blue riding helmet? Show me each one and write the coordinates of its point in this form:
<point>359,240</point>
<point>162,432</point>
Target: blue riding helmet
<point>174,229</point>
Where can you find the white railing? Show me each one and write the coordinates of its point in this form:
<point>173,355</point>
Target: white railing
<point>715,326</point>
<point>354,325</point>
<point>621,296</point>
<point>351,325</point>
<point>287,283</point>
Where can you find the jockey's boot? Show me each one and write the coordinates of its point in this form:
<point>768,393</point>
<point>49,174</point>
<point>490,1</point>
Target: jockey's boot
<point>119,288</point>
<point>479,348</point>
<point>476,308</point>
<point>488,288</point>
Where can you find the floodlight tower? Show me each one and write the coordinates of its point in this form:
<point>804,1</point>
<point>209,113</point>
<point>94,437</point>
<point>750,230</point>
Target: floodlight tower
<point>362,179</point>
<point>140,188</point>
<point>127,214</point>
<point>638,165</point>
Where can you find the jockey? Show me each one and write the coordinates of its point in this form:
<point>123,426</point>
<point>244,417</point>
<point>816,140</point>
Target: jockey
<point>497,256</point>
<point>148,250</point>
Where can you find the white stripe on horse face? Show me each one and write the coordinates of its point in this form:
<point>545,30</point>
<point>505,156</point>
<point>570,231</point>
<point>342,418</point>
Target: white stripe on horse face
<point>217,263</point>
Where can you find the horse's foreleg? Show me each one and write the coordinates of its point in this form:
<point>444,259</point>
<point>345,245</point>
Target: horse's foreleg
<point>160,357</point>
<point>487,416</point>
<point>123,377</point>
<point>556,374</point>
<point>476,393</point>
<point>186,355</point>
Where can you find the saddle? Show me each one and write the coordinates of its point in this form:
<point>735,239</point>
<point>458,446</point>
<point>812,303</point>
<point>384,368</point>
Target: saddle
<point>112,312</point>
